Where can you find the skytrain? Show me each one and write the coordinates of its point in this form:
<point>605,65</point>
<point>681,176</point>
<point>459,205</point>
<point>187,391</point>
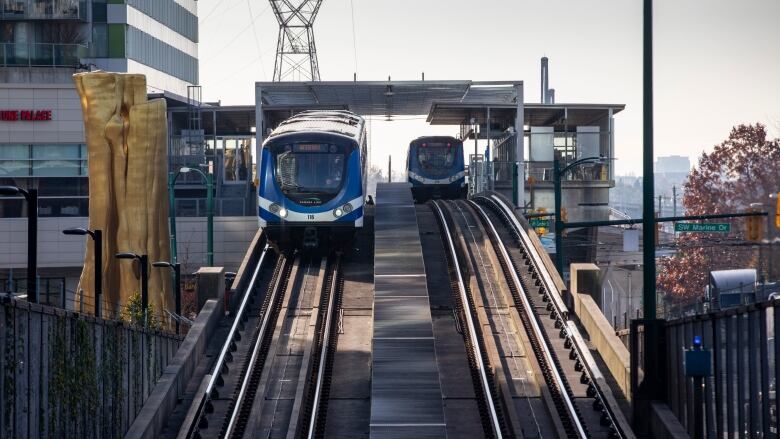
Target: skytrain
<point>312,179</point>
<point>436,168</point>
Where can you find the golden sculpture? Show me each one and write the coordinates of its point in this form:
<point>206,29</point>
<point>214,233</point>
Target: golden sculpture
<point>127,149</point>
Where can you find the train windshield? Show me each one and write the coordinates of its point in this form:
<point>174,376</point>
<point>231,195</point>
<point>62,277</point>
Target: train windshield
<point>310,174</point>
<point>436,158</point>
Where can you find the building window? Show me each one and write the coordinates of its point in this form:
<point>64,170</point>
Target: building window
<point>14,160</point>
<point>50,289</point>
<point>43,160</point>
<point>58,160</point>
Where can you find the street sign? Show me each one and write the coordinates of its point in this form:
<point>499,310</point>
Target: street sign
<point>703,228</point>
<point>539,222</point>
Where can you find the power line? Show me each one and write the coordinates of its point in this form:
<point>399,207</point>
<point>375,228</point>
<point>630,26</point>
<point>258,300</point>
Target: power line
<point>354,39</point>
<point>257,39</point>
<point>251,23</point>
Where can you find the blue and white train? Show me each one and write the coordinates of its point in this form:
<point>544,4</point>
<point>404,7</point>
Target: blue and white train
<point>436,168</point>
<point>312,179</point>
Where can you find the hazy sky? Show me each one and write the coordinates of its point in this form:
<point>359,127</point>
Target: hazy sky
<point>717,62</point>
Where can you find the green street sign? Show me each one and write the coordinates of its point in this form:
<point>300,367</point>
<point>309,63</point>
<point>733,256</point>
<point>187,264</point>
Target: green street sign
<point>702,228</point>
<point>539,222</point>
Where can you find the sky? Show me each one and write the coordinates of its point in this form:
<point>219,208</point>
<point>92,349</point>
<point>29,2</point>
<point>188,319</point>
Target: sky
<point>716,62</point>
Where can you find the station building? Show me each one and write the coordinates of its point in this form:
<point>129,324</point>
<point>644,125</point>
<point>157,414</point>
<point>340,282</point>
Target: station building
<point>42,44</point>
<point>42,140</point>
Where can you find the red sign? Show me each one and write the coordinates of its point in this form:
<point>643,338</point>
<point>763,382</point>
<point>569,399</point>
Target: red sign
<point>24,115</point>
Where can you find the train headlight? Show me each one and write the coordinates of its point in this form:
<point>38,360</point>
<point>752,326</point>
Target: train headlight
<point>337,212</point>
<point>274,208</point>
<point>283,212</point>
<point>347,208</point>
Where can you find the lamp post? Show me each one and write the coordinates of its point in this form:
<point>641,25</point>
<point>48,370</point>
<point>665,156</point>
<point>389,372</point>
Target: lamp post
<point>97,238</point>
<point>558,173</point>
<point>144,261</point>
<point>31,196</point>
<point>209,178</point>
<point>176,267</point>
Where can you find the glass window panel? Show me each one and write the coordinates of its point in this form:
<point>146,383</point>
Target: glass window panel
<point>16,168</point>
<point>57,168</point>
<point>49,152</point>
<point>99,40</point>
<point>18,152</point>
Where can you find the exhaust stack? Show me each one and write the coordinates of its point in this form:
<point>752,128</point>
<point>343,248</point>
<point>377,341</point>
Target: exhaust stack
<point>545,81</point>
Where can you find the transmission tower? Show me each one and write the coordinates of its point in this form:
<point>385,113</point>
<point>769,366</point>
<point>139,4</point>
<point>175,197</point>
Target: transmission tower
<point>296,53</point>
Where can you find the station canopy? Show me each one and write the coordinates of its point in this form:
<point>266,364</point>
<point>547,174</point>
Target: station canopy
<point>443,102</point>
<point>385,98</point>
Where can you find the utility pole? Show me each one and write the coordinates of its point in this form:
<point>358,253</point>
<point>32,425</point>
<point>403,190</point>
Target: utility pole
<point>674,200</point>
<point>296,53</point>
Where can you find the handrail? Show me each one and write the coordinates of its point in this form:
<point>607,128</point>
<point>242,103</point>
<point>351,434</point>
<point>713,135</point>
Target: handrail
<point>228,341</point>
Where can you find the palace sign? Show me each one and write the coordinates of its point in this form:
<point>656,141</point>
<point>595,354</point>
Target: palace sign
<point>24,115</point>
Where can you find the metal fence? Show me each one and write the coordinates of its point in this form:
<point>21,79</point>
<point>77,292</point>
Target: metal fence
<point>69,375</point>
<point>223,206</point>
<point>740,398</point>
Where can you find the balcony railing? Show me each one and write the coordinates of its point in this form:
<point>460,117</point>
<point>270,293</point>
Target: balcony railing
<point>41,55</point>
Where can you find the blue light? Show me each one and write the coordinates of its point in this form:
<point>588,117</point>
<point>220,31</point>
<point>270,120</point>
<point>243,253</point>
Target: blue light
<point>697,341</point>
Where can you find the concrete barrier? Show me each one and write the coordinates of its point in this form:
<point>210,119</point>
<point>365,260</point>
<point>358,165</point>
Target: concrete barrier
<point>664,424</point>
<point>162,401</point>
<point>584,277</point>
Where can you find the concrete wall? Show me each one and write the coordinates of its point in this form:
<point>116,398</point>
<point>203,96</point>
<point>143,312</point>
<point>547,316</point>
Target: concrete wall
<point>66,126</point>
<point>584,277</point>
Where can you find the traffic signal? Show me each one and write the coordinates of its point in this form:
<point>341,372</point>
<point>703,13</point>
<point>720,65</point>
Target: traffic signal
<point>754,228</point>
<point>564,215</point>
<point>777,212</point>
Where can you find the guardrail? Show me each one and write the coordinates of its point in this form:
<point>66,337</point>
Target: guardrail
<point>741,395</point>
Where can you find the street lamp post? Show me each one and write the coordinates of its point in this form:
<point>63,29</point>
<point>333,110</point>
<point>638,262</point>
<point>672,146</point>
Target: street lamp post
<point>31,196</point>
<point>97,238</point>
<point>209,178</point>
<point>176,267</point>
<point>144,261</point>
<point>558,173</point>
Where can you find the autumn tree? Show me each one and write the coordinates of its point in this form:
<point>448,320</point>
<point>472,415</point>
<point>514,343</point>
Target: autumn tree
<point>744,169</point>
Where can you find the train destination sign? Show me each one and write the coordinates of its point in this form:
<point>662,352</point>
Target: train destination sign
<point>703,228</point>
<point>24,115</point>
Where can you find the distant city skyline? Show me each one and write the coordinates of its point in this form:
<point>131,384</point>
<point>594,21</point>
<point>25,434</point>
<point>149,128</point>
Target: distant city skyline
<point>713,64</point>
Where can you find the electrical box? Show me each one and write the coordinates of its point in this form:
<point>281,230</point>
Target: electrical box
<point>698,362</point>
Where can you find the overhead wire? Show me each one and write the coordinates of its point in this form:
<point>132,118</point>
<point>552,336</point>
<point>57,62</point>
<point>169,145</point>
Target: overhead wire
<point>257,38</point>
<point>354,39</point>
<point>251,23</point>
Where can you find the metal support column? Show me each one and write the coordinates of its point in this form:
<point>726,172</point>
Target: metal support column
<point>259,126</point>
<point>520,147</point>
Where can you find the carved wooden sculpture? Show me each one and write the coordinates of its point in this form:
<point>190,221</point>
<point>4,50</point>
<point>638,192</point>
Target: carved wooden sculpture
<point>127,146</point>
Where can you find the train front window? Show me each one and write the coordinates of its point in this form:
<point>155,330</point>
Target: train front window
<point>436,158</point>
<point>310,174</point>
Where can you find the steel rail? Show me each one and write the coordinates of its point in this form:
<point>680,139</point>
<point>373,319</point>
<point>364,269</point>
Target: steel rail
<point>275,291</point>
<point>324,348</point>
<point>495,424</point>
<point>228,342</point>
<point>583,354</point>
<point>538,331</point>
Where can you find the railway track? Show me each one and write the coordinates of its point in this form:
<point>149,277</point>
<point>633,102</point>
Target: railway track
<point>273,373</point>
<point>570,382</point>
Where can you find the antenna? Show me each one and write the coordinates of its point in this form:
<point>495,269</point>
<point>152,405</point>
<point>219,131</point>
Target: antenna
<point>296,53</point>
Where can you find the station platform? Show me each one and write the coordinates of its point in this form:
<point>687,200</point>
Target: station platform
<point>406,396</point>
